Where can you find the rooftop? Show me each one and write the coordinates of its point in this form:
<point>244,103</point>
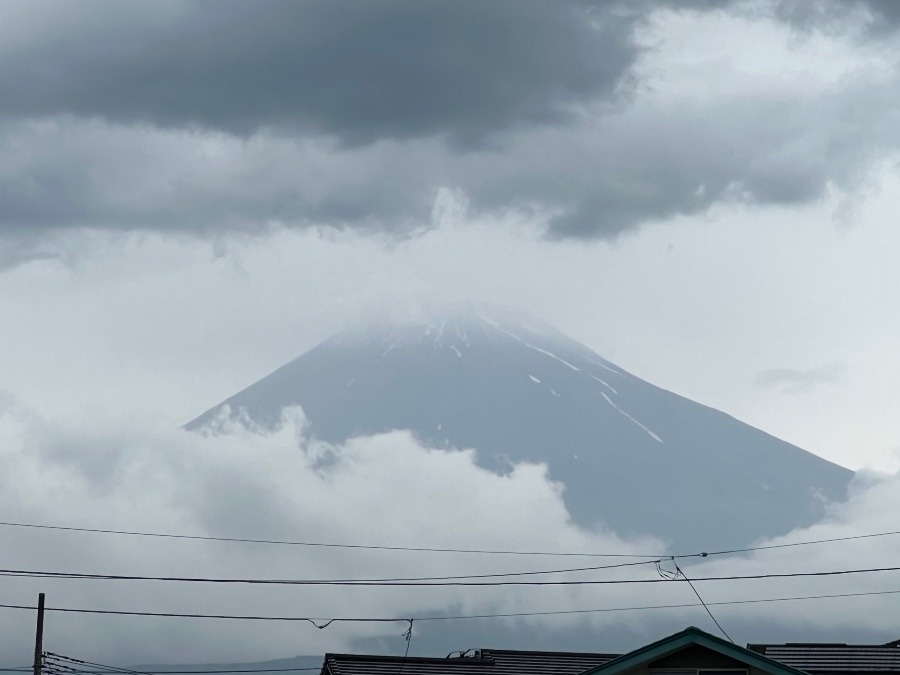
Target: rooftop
<point>478,662</point>
<point>834,659</point>
<point>813,658</point>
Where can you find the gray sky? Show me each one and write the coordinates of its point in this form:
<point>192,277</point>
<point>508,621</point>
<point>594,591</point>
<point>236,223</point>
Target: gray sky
<point>191,194</point>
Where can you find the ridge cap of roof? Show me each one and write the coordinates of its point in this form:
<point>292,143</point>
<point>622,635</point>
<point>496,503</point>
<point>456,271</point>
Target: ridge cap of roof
<point>390,657</point>
<point>547,652</point>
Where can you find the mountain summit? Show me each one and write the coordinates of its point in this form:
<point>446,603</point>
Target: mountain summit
<point>632,456</point>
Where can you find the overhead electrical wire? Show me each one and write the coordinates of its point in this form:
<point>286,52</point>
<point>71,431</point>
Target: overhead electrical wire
<point>283,542</point>
<point>445,617</point>
<point>705,606</point>
<point>770,547</point>
<point>399,582</point>
<point>113,669</point>
<point>61,668</point>
<point>59,660</point>
<point>71,664</point>
<point>78,575</point>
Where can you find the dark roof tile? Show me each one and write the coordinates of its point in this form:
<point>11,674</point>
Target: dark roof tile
<point>481,662</point>
<point>834,659</point>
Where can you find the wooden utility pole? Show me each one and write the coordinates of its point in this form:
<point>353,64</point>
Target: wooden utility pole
<point>39,637</point>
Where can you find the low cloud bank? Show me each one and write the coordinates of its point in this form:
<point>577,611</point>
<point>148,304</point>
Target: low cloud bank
<point>387,489</point>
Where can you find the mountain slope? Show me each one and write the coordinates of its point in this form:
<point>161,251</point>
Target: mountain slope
<point>631,455</point>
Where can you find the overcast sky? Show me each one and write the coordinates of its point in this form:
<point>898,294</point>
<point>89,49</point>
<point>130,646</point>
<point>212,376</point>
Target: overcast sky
<point>193,193</point>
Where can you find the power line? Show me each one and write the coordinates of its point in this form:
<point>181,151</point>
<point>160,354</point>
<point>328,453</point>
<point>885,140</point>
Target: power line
<point>180,615</point>
<point>193,672</point>
<point>54,663</point>
<point>446,617</point>
<point>398,582</point>
<point>798,543</point>
<point>697,593</point>
<point>77,575</point>
<point>283,542</point>
<point>59,661</point>
<point>56,658</point>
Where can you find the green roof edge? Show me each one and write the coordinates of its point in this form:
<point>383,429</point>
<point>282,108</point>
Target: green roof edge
<point>690,636</point>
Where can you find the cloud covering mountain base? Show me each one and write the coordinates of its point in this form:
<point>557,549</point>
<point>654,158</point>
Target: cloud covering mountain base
<point>385,489</point>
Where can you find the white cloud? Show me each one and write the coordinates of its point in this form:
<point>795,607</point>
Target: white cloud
<point>381,490</point>
<point>388,489</point>
<point>172,325</point>
<point>746,107</point>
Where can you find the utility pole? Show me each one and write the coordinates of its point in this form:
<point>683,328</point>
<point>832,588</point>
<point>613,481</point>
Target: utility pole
<point>39,637</point>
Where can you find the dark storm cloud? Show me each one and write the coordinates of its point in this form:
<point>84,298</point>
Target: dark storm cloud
<point>879,17</point>
<point>595,178</point>
<point>887,11</point>
<point>206,117</point>
<point>360,71</point>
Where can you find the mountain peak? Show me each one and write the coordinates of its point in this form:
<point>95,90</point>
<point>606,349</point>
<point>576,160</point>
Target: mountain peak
<point>632,456</point>
<point>457,328</point>
<point>439,322</point>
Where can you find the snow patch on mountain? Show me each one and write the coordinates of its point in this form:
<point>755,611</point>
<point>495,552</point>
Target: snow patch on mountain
<point>622,412</point>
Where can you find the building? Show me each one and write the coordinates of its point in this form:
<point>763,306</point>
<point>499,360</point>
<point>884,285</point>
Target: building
<point>475,662</point>
<point>689,652</point>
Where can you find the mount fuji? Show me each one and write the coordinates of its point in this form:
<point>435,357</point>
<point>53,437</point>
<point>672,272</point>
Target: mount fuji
<point>633,457</point>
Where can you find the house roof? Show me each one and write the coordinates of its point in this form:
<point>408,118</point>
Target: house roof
<point>511,662</point>
<point>481,662</point>
<point>686,638</point>
<point>822,659</point>
<point>785,659</point>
